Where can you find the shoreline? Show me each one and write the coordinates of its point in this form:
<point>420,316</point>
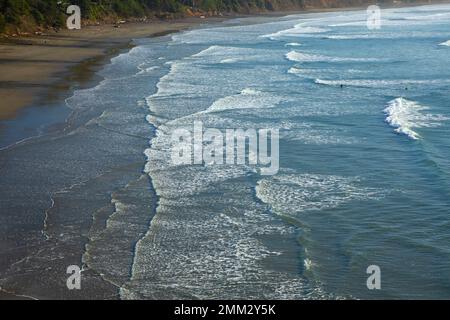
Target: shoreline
<point>56,63</point>
<point>37,68</point>
<point>39,75</point>
<point>61,210</point>
<point>40,72</point>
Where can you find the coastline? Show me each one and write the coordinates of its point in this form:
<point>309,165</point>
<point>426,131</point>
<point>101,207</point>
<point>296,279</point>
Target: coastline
<point>41,70</point>
<point>82,73</point>
<point>37,69</point>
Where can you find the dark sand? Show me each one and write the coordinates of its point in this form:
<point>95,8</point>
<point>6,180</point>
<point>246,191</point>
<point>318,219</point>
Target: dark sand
<point>36,69</point>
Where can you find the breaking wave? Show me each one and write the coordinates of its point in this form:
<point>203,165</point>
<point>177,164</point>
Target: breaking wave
<point>405,116</point>
<point>304,57</point>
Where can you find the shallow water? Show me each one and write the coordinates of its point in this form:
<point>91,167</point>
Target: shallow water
<point>364,170</point>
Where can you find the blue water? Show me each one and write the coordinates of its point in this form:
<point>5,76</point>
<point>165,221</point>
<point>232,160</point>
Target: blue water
<point>364,178</point>
<point>364,121</point>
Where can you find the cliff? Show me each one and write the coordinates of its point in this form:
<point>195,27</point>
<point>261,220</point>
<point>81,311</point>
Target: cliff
<point>18,16</point>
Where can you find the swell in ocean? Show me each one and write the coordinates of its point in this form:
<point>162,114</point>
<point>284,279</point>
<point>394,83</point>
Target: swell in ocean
<point>210,238</point>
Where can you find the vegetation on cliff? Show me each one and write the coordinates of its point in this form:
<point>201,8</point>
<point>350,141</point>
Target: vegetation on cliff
<point>17,15</point>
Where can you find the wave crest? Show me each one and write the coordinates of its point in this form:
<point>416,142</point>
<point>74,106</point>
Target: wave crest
<point>297,56</point>
<point>297,30</point>
<point>405,116</point>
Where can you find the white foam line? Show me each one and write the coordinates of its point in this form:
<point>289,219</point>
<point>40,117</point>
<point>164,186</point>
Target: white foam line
<point>405,116</point>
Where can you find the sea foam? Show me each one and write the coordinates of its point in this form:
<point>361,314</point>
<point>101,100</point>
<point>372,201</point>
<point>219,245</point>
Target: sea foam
<point>297,56</point>
<point>405,116</point>
<point>290,194</point>
<point>247,99</point>
<point>297,30</point>
<point>293,44</point>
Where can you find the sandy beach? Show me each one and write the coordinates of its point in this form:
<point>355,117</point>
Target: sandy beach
<point>40,67</point>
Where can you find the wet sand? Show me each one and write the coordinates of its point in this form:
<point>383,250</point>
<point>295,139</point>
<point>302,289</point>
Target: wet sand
<point>39,68</point>
<point>36,71</point>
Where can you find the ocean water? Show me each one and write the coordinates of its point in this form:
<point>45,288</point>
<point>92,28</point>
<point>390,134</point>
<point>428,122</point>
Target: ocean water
<point>364,175</point>
<point>364,123</point>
